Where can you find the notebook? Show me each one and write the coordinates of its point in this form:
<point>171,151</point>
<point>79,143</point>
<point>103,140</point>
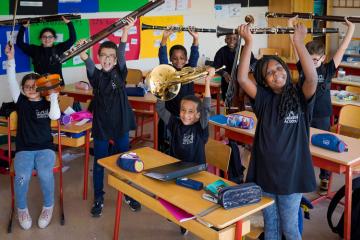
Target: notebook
<point>174,170</point>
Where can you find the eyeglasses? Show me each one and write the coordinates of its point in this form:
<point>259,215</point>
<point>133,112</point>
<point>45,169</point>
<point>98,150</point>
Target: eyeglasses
<point>47,37</point>
<point>111,57</point>
<point>317,59</point>
<point>29,88</point>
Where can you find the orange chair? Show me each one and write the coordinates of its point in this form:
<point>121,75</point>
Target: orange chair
<point>218,155</point>
<point>269,51</point>
<point>11,123</point>
<point>353,89</point>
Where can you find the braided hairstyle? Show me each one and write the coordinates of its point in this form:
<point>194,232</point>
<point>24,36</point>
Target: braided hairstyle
<point>290,99</point>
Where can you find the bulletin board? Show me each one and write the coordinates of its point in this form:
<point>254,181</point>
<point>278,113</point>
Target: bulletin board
<point>4,9</point>
<point>150,39</point>
<point>81,28</point>
<point>22,60</point>
<point>133,43</point>
<point>120,5</point>
<point>78,6</point>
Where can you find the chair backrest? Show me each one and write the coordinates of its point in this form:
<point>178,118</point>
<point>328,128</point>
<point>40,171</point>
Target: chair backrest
<point>349,116</point>
<point>65,102</point>
<point>217,154</point>
<point>270,51</point>
<point>353,89</point>
<point>134,76</point>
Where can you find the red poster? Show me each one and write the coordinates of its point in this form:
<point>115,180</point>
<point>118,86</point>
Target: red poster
<point>133,43</point>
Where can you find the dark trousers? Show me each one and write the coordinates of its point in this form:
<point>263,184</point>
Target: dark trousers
<point>323,124</point>
<point>101,150</point>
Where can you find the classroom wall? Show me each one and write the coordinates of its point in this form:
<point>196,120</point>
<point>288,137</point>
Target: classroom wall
<point>201,14</point>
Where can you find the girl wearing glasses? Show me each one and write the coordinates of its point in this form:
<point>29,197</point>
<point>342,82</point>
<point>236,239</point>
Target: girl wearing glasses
<point>44,57</point>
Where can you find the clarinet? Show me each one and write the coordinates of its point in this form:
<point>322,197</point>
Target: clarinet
<point>275,30</point>
<point>312,16</point>
<point>176,28</point>
<point>108,30</point>
<point>42,19</point>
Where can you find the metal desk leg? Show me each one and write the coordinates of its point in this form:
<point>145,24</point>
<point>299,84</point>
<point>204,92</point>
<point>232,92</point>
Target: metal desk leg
<point>86,163</point>
<point>348,197</point>
<point>117,216</point>
<point>238,230</point>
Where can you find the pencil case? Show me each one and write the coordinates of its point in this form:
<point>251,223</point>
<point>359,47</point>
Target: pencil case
<point>329,141</point>
<point>240,121</point>
<point>135,91</point>
<point>239,195</point>
<point>130,162</point>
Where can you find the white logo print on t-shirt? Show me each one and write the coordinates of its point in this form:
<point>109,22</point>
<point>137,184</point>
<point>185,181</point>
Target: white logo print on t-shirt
<point>188,139</point>
<point>291,118</point>
<point>42,114</point>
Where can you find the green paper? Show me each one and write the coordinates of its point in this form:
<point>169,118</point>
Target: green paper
<point>82,31</point>
<point>4,9</point>
<point>120,6</point>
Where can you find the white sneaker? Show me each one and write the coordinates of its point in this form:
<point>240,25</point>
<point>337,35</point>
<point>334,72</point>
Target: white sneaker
<point>45,216</point>
<point>24,218</point>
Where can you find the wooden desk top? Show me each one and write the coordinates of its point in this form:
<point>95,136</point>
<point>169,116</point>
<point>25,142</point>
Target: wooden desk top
<point>341,103</point>
<point>350,65</point>
<point>184,198</point>
<point>347,81</point>
<point>73,128</point>
<point>148,98</point>
<point>352,157</point>
<point>212,83</point>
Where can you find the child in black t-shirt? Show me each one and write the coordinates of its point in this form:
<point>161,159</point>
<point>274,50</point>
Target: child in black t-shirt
<point>113,117</point>
<point>45,56</point>
<point>189,132</point>
<point>281,160</point>
<point>34,143</point>
<point>325,71</point>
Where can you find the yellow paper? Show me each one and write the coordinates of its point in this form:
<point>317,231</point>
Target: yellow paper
<point>150,39</point>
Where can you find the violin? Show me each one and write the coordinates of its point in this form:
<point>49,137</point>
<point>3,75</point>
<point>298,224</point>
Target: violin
<point>47,84</point>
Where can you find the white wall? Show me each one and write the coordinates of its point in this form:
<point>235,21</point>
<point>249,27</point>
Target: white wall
<point>201,14</point>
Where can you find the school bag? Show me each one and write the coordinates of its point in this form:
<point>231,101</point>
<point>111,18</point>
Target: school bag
<point>355,211</point>
<point>236,169</point>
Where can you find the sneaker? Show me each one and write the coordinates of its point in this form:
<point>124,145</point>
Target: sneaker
<point>24,218</point>
<point>324,185</point>
<point>133,204</point>
<point>183,231</point>
<point>45,216</point>
<point>97,207</point>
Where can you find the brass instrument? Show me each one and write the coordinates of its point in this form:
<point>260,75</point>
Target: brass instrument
<point>175,28</point>
<point>312,16</point>
<point>220,31</point>
<point>165,82</point>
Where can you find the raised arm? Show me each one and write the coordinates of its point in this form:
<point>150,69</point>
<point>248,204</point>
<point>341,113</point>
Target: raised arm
<point>205,111</point>
<point>163,58</point>
<point>54,113</point>
<point>344,44</point>
<point>122,46</point>
<point>291,22</point>
<point>72,36</point>
<point>194,53</point>
<point>243,69</point>
<point>90,65</point>
<point>26,48</point>
<point>310,83</point>
<point>10,72</point>
<point>164,114</point>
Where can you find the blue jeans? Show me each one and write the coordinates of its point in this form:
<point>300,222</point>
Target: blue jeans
<point>43,162</point>
<point>281,218</point>
<point>101,150</point>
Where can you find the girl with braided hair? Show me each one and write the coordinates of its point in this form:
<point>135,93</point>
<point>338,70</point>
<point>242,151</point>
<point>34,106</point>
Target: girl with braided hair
<point>281,161</point>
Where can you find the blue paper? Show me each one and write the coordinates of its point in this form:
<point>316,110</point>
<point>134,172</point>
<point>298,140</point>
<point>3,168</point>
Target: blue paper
<point>82,6</point>
<point>221,119</point>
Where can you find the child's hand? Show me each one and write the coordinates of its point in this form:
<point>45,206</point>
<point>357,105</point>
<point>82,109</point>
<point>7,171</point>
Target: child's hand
<point>130,22</point>
<point>192,32</point>
<point>211,72</point>
<point>168,32</point>
<point>27,23</point>
<point>83,55</point>
<point>300,32</point>
<point>350,25</point>
<point>291,21</point>
<point>227,77</point>
<point>9,51</point>
<point>244,32</point>
<point>65,19</point>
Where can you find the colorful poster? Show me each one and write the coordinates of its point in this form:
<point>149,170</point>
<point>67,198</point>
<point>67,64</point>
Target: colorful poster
<point>4,9</point>
<point>22,60</point>
<point>120,6</point>
<point>133,42</point>
<point>150,39</point>
<point>62,33</point>
<point>78,6</point>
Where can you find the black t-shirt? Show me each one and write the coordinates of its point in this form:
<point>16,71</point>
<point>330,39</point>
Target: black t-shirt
<point>325,73</point>
<point>33,127</point>
<point>113,116</point>
<point>187,142</point>
<point>281,160</point>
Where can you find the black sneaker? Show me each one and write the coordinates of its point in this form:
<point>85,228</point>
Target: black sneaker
<point>96,209</point>
<point>133,204</point>
<point>184,231</point>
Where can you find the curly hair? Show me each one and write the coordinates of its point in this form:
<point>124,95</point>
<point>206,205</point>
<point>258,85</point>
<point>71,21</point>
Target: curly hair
<point>290,99</point>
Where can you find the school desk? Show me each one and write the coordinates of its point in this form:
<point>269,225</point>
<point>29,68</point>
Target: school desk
<point>350,68</point>
<point>332,161</point>
<point>144,104</point>
<point>215,88</point>
<point>78,142</point>
<point>348,80</point>
<point>147,191</point>
<point>338,104</point>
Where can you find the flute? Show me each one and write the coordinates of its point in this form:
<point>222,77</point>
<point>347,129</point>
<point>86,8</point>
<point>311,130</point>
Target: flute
<point>176,28</point>
<point>312,16</point>
<point>49,18</point>
<point>78,48</point>
<point>274,30</point>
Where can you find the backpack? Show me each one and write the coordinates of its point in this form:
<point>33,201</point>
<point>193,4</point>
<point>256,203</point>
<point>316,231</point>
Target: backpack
<point>355,212</point>
<point>7,108</point>
<point>236,169</point>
